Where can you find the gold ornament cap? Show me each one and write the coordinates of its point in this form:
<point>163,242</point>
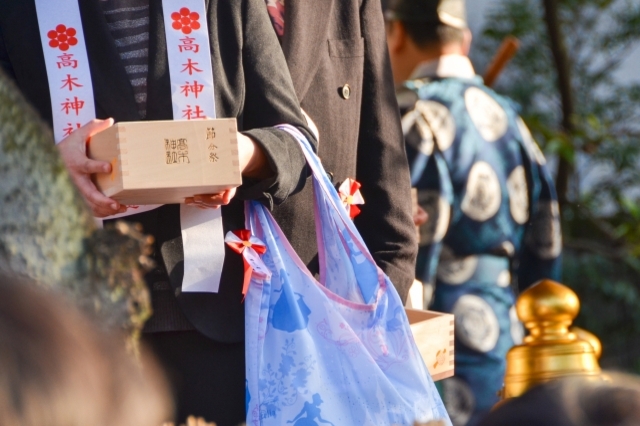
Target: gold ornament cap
<point>551,350</point>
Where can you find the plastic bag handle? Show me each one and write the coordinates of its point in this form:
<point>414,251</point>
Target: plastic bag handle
<point>330,192</point>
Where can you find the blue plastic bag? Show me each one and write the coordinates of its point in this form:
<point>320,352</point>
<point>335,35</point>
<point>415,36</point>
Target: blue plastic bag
<point>339,351</point>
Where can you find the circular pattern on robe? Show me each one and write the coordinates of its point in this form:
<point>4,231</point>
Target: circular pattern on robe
<point>458,400</point>
<point>504,279</point>
<point>424,140</point>
<point>439,120</point>
<point>529,143</point>
<point>517,329</point>
<point>487,115</point>
<point>439,213</point>
<point>518,195</point>
<point>476,325</point>
<point>455,270</point>
<point>545,236</point>
<point>483,195</point>
<point>508,248</point>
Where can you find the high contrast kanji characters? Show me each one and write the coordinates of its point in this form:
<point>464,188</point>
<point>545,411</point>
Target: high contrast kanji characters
<point>70,82</point>
<point>190,67</point>
<point>188,45</point>
<point>69,106</point>
<point>195,88</point>
<point>66,60</point>
<point>70,128</point>
<point>191,114</point>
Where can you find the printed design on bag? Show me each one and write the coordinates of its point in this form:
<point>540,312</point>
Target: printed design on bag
<point>312,412</point>
<point>289,313</point>
<point>185,20</point>
<point>281,387</point>
<point>343,337</point>
<point>247,395</point>
<point>62,37</point>
<point>388,345</point>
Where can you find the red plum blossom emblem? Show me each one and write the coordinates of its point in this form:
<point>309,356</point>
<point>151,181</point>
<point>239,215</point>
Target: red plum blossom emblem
<point>62,37</point>
<point>185,20</point>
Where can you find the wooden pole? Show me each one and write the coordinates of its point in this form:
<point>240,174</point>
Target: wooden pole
<point>507,51</point>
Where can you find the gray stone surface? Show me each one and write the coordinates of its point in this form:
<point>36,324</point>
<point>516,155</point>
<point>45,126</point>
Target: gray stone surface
<point>48,234</point>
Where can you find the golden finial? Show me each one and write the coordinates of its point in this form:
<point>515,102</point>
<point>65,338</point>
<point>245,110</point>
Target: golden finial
<point>551,350</point>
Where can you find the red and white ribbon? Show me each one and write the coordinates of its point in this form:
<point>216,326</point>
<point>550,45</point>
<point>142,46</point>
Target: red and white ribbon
<point>251,248</point>
<point>351,197</point>
<point>192,95</point>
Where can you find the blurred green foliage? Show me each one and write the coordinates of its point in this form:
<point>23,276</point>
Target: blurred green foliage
<point>601,222</point>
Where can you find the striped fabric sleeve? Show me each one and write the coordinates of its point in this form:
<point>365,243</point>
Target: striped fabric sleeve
<point>128,22</point>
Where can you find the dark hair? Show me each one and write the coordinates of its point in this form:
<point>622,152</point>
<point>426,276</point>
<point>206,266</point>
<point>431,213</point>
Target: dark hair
<point>422,22</point>
<point>426,34</point>
<point>609,400</point>
<point>58,369</point>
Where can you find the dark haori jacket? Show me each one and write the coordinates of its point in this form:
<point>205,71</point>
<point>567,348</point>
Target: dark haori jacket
<point>251,83</point>
<point>337,55</point>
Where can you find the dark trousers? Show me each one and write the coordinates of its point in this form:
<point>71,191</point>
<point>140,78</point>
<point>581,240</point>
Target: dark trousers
<point>207,377</point>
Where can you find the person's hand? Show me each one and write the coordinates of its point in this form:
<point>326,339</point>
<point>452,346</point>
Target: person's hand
<point>73,150</point>
<point>420,217</point>
<point>211,201</point>
<point>253,164</point>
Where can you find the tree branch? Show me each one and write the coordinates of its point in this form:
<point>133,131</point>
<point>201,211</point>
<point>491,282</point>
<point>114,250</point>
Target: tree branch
<point>561,60</point>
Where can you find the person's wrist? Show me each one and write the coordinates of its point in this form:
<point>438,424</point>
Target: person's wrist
<point>253,161</point>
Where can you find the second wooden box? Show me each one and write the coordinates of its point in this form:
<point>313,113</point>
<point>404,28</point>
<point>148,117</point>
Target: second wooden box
<point>434,335</point>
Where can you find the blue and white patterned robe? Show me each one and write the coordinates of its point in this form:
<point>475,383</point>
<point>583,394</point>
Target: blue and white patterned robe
<point>493,220</point>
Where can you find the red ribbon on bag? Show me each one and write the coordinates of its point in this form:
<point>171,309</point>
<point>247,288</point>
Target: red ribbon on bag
<point>350,195</point>
<point>251,248</point>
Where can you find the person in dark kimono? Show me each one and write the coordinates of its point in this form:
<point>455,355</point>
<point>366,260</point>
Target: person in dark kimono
<point>494,221</point>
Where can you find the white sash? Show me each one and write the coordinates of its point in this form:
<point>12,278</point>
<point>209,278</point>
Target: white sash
<point>192,95</point>
<point>67,64</point>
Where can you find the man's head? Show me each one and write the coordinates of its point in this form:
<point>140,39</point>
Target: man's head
<point>611,400</point>
<point>423,30</point>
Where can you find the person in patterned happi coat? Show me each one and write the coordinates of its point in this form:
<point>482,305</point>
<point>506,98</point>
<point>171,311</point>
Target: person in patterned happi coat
<point>493,214</point>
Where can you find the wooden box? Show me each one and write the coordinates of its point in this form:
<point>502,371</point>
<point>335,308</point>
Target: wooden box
<point>433,333</point>
<point>164,162</point>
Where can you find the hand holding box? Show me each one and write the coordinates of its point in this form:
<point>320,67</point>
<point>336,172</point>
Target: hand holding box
<point>165,162</point>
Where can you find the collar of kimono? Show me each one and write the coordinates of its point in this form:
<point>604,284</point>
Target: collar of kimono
<point>446,66</point>
<point>192,96</point>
